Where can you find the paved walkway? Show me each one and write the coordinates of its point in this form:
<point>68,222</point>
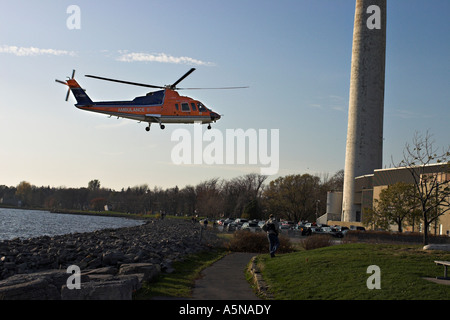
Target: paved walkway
<point>225,280</point>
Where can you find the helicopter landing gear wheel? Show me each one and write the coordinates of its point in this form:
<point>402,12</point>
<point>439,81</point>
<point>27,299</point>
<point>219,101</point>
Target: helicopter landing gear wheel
<point>148,128</point>
<point>209,127</point>
<point>162,127</point>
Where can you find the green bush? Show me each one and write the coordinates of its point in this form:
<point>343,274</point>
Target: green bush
<point>246,241</point>
<point>316,241</point>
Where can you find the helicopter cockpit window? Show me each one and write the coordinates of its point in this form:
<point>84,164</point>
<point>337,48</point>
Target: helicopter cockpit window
<point>201,107</point>
<point>185,107</point>
<point>193,106</point>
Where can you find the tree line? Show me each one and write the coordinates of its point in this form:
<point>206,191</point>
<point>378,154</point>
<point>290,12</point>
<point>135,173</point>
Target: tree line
<point>292,197</point>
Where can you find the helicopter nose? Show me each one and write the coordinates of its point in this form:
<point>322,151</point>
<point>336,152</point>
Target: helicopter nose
<point>214,116</point>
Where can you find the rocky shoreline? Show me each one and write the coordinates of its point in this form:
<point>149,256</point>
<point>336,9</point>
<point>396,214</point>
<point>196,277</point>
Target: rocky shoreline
<point>154,245</point>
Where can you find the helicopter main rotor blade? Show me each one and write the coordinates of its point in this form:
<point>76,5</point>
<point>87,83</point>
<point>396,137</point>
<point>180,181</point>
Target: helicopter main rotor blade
<point>213,88</point>
<point>126,82</point>
<point>173,86</point>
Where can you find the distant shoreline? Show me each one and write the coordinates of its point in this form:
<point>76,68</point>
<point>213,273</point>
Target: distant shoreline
<point>135,216</point>
<point>103,214</point>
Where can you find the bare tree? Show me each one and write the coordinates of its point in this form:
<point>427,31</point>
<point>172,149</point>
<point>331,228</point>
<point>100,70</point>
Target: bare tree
<point>209,202</point>
<point>430,171</point>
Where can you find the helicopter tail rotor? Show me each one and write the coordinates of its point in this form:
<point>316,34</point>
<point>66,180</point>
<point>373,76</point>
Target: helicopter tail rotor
<point>65,83</point>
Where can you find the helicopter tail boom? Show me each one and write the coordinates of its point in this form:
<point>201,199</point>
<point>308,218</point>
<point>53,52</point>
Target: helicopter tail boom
<point>79,93</point>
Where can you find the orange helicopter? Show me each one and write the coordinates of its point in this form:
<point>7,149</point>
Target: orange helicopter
<point>162,106</point>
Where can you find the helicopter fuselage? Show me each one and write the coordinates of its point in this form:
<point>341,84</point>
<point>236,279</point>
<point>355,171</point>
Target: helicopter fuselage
<point>164,106</point>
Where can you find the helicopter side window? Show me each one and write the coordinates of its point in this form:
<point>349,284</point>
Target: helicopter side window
<point>193,106</point>
<point>201,107</point>
<point>176,106</point>
<point>185,107</point>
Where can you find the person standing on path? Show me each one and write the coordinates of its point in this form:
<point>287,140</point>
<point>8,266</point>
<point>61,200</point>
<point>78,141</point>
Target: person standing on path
<point>272,229</point>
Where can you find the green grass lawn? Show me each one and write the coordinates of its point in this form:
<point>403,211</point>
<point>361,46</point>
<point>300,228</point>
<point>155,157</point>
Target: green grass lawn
<point>340,272</point>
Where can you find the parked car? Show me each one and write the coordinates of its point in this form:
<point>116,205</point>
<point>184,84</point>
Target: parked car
<point>340,228</point>
<point>251,226</point>
<point>332,231</point>
<point>232,226</point>
<point>227,221</point>
<point>305,231</point>
<point>239,222</point>
<point>326,229</point>
<point>358,228</point>
<point>287,225</point>
<point>315,230</point>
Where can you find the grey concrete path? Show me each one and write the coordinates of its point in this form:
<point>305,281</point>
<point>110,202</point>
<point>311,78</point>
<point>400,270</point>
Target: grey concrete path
<point>225,280</point>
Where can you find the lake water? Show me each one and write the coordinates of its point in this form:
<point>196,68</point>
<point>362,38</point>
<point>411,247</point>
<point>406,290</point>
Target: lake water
<point>16,223</point>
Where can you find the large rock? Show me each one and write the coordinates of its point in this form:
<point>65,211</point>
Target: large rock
<point>35,286</point>
<point>149,270</point>
<point>36,289</point>
<point>106,283</point>
<point>120,288</point>
<point>112,258</point>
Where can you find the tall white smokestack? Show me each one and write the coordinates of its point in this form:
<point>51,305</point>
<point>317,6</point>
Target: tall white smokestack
<point>364,150</point>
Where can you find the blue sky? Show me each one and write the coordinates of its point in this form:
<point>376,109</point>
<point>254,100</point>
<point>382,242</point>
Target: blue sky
<point>295,56</point>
